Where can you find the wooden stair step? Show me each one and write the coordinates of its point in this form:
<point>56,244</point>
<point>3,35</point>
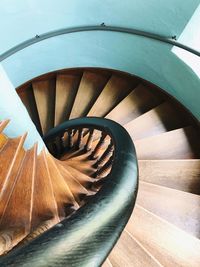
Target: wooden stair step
<point>44,92</point>
<point>167,243</point>
<point>86,167</point>
<point>75,187</point>
<point>16,217</point>
<point>28,99</point>
<point>73,153</point>
<point>76,155</point>
<point>62,193</point>
<point>115,90</point>
<point>182,143</point>
<point>129,252</point>
<point>66,90</point>
<point>91,85</point>
<point>178,207</point>
<point>44,203</point>
<point>11,158</point>
<point>82,178</point>
<point>139,101</point>
<point>182,175</point>
<point>158,120</point>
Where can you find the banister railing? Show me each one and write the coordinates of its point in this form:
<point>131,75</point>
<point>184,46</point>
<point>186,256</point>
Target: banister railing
<point>87,237</point>
<point>171,40</point>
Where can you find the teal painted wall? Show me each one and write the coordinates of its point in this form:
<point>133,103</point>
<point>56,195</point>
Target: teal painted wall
<point>148,59</point>
<point>11,107</point>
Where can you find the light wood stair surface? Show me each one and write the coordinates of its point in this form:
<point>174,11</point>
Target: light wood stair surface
<point>28,99</point>
<point>116,89</point>
<point>137,102</point>
<point>178,207</point>
<point>158,120</point>
<point>129,251</point>
<point>16,217</point>
<point>90,87</point>
<point>11,158</point>
<point>182,143</point>
<point>44,207</point>
<point>66,90</point>
<point>167,243</point>
<point>44,92</point>
<point>182,175</point>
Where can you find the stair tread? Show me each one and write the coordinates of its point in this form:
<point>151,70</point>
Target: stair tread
<point>182,174</point>
<point>85,167</point>
<point>16,218</point>
<point>66,90</point>
<point>61,190</point>
<point>167,243</point>
<point>75,187</point>
<point>115,90</point>
<point>28,99</point>
<point>44,92</point>
<point>158,120</point>
<point>81,177</point>
<point>139,101</point>
<point>182,143</point>
<point>178,207</point>
<point>90,87</point>
<point>11,157</point>
<point>44,204</point>
<point>128,252</point>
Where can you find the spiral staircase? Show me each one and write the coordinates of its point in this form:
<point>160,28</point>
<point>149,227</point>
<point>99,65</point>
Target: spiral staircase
<point>47,189</point>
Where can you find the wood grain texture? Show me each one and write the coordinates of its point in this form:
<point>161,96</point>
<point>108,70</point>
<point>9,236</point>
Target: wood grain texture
<point>160,119</point>
<point>85,167</point>
<point>167,243</point>
<point>75,187</point>
<point>28,99</point>
<point>90,87</point>
<point>129,252</point>
<point>83,179</point>
<point>183,175</point>
<point>66,90</point>
<point>11,158</point>
<point>178,207</point>
<point>62,193</point>
<point>137,102</point>
<point>115,90</point>
<point>44,204</point>
<point>18,211</point>
<point>44,92</point>
<point>177,144</point>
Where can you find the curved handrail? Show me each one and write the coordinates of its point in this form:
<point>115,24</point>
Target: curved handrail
<point>40,37</point>
<point>87,237</point>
